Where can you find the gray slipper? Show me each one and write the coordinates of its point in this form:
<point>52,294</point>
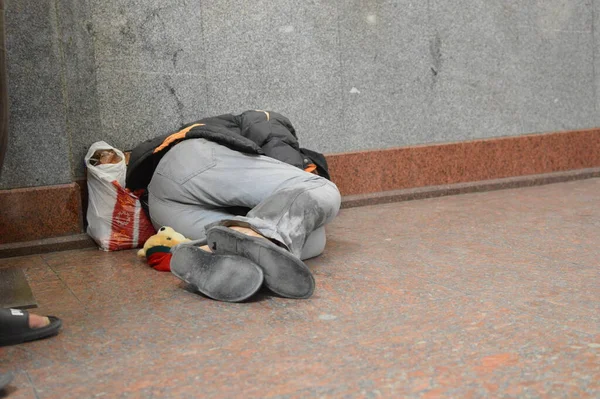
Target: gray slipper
<point>285,274</point>
<point>226,278</point>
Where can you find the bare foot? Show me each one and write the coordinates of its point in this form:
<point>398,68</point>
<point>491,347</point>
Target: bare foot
<point>36,321</point>
<point>205,248</point>
<point>247,231</point>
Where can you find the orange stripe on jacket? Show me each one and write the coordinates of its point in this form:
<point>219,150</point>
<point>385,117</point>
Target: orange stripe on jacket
<point>180,135</point>
<point>266,113</point>
<point>311,168</point>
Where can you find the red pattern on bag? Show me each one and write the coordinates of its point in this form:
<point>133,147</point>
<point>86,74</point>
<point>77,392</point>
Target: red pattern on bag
<point>130,227</point>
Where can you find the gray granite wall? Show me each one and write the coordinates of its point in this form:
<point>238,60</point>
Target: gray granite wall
<point>351,75</point>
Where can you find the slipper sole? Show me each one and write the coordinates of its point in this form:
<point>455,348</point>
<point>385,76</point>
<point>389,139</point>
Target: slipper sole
<point>284,274</point>
<point>225,278</point>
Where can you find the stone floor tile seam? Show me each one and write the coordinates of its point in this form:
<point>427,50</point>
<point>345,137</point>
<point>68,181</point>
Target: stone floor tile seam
<point>62,281</point>
<point>24,348</point>
<point>33,387</point>
<point>20,387</point>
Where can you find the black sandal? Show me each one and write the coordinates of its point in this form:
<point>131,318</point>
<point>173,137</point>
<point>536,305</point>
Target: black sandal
<point>14,327</point>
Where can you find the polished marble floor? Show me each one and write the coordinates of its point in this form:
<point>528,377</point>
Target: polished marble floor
<point>482,295</point>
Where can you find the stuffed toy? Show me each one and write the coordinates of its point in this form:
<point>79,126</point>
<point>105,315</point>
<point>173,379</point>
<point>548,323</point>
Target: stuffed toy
<point>157,248</point>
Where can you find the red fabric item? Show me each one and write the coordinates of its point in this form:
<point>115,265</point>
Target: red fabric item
<point>130,225</point>
<point>160,261</point>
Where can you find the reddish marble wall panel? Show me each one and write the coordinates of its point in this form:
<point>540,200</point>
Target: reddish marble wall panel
<point>35,213</point>
<point>438,164</point>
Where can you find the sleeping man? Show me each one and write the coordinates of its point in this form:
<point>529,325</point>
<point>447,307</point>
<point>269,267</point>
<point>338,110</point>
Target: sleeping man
<point>253,201</point>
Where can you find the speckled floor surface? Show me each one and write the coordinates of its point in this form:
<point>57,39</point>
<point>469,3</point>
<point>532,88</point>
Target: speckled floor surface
<point>481,295</point>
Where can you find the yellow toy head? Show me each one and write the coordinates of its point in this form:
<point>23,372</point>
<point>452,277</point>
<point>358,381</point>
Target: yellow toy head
<point>165,237</point>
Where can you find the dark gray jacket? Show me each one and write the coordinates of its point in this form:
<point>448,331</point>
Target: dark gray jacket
<point>253,132</point>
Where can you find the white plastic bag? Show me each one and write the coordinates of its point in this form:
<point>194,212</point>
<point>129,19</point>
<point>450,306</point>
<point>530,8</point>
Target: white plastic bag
<point>115,217</point>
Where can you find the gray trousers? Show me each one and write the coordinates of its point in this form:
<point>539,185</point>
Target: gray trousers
<point>197,183</point>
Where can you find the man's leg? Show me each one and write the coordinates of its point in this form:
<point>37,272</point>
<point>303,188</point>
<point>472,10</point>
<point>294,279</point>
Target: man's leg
<point>198,180</point>
<point>185,218</point>
<point>291,213</point>
<point>288,216</point>
<point>224,278</point>
<point>314,245</point>
<point>287,205</point>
